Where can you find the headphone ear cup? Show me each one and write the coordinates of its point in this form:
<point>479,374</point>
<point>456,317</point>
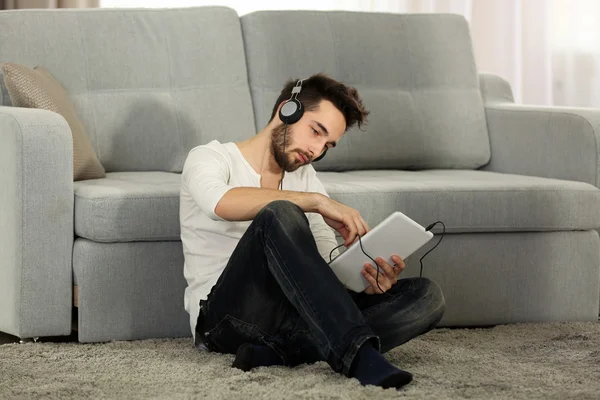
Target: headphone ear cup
<point>291,111</point>
<point>321,156</point>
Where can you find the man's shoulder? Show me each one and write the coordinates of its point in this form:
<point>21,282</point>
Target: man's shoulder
<point>214,148</point>
<point>213,145</point>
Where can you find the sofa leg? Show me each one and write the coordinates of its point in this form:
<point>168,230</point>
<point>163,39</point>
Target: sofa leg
<point>29,340</point>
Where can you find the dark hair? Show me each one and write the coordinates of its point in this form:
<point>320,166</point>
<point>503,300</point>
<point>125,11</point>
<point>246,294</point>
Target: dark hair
<point>320,87</point>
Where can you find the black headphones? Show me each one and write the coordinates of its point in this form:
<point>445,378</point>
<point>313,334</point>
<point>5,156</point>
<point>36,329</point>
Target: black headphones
<point>292,110</point>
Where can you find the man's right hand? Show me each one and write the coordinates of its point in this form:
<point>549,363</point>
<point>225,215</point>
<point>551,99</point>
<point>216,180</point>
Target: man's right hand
<point>345,220</point>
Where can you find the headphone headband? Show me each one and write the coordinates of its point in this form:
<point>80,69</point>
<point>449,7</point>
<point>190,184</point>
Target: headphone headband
<point>292,110</point>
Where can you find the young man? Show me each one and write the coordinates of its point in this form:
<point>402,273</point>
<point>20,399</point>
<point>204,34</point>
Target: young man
<point>259,285</point>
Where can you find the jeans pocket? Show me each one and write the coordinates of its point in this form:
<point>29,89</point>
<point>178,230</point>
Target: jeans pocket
<point>231,332</point>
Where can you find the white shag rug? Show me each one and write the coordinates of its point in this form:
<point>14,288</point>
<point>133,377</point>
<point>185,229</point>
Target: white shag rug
<point>521,361</point>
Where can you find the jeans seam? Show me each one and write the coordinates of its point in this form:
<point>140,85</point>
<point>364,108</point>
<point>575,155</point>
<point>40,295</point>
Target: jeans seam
<point>258,328</point>
<point>301,292</point>
<point>208,338</point>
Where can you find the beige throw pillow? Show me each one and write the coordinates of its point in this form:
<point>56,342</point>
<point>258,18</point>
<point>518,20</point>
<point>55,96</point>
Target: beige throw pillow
<point>37,88</point>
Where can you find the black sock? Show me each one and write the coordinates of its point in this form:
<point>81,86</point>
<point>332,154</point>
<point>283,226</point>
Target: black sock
<point>370,367</point>
<point>251,355</point>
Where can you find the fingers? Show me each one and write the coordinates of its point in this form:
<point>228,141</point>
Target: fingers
<point>389,271</point>
<point>356,226</point>
<point>360,229</point>
<point>361,225</point>
<point>352,231</point>
<point>370,274</point>
<point>399,264</point>
<point>364,224</point>
<point>387,277</point>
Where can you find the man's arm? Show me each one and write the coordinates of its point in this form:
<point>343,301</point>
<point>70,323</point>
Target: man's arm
<point>243,203</point>
<point>206,178</point>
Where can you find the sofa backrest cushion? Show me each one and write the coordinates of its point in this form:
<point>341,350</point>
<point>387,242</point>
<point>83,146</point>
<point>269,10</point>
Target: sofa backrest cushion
<point>148,84</point>
<point>416,74</point>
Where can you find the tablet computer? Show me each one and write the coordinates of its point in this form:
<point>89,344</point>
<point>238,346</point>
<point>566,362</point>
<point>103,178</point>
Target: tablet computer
<point>397,234</point>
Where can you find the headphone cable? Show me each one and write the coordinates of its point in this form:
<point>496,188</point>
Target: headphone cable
<point>284,156</point>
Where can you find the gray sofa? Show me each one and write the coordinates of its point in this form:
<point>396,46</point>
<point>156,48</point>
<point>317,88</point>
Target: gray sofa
<point>516,186</point>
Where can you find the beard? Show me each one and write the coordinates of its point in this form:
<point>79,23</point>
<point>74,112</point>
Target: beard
<point>292,162</point>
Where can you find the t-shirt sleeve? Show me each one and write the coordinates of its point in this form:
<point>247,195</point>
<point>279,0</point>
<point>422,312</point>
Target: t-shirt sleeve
<point>206,177</point>
<point>323,233</point>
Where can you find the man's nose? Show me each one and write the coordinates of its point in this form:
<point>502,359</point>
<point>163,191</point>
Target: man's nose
<point>317,148</point>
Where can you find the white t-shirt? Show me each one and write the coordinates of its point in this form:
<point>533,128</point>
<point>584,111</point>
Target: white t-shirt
<point>208,240</point>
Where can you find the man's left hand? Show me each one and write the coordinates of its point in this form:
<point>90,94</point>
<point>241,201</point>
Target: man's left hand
<point>387,278</point>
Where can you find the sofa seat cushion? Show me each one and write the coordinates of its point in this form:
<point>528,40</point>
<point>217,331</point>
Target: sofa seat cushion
<point>468,200</point>
<point>144,206</point>
<point>128,206</point>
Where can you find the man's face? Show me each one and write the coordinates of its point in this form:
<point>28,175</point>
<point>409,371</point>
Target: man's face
<point>307,139</point>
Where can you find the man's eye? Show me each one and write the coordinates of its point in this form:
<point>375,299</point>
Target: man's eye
<point>315,131</point>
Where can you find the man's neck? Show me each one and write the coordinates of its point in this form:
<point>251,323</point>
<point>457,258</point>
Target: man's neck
<point>257,151</point>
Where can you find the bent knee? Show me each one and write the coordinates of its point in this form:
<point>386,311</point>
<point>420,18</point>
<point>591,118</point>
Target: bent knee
<point>434,304</point>
<point>437,301</point>
<point>284,211</point>
<point>278,206</point>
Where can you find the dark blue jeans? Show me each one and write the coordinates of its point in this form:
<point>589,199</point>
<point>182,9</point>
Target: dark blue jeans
<point>278,291</point>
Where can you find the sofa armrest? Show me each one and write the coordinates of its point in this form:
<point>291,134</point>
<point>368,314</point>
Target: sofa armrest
<point>495,89</point>
<point>550,142</point>
<point>36,216</point>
